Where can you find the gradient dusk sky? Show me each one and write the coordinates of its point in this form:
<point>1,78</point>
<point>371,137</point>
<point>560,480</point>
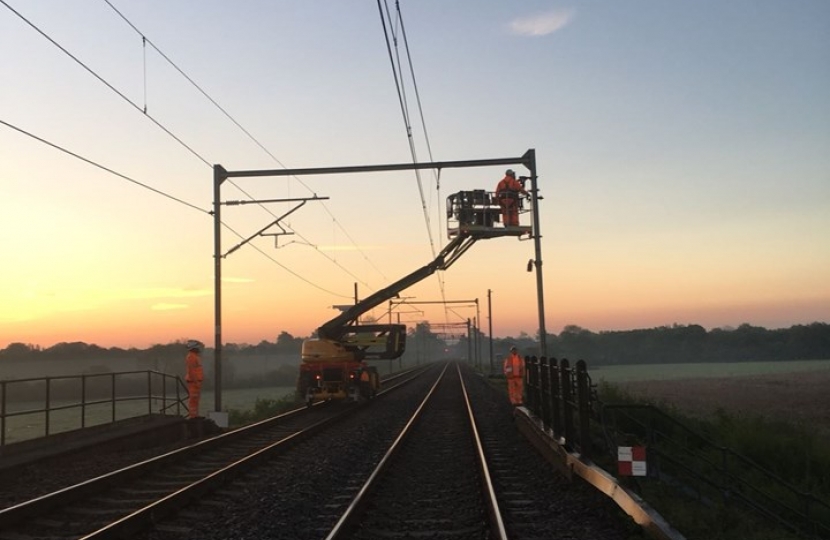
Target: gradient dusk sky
<point>683,152</point>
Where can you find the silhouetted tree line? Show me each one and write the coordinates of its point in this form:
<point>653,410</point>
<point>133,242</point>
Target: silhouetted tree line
<point>677,344</point>
<point>665,344</point>
<point>20,352</point>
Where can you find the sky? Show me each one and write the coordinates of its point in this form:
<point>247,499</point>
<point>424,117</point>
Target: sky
<point>683,160</point>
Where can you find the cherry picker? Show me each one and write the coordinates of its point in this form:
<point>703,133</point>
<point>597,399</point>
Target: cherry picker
<point>334,363</point>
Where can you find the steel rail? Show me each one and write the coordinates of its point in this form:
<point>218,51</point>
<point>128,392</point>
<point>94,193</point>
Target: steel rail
<point>153,511</point>
<point>350,519</point>
<point>493,510</point>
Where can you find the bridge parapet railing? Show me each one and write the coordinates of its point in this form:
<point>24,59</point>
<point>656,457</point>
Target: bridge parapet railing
<point>42,406</point>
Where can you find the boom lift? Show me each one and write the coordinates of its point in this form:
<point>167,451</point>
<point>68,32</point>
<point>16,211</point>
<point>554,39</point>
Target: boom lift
<point>334,363</point>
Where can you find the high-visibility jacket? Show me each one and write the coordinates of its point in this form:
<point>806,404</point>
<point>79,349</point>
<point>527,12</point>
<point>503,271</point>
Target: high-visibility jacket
<point>194,374</point>
<point>514,366</point>
<point>509,188</point>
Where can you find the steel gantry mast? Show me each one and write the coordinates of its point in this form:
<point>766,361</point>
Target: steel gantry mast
<point>220,174</point>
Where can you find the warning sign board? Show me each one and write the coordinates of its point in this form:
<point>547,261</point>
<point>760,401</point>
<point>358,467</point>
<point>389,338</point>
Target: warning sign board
<point>631,460</point>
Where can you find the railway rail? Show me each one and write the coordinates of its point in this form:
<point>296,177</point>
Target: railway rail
<point>434,481</point>
<point>125,501</point>
<point>302,487</point>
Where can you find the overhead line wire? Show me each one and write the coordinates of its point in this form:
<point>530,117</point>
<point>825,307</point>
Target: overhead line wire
<point>98,165</point>
<point>410,138</point>
<point>420,112</point>
<point>398,76</point>
<point>104,81</point>
<point>143,111</point>
<point>250,136</point>
<point>163,194</point>
<point>426,134</point>
<point>316,248</point>
<point>395,63</point>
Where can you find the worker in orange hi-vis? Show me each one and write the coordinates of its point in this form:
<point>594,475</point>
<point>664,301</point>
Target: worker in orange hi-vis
<point>508,191</point>
<point>514,372</point>
<point>194,376</point>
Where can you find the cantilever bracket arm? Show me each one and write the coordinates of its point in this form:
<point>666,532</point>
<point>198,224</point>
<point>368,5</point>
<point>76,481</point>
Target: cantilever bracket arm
<point>276,222</point>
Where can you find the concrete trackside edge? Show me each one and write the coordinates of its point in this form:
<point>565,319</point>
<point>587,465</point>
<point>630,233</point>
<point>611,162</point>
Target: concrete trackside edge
<point>570,463</point>
<point>139,432</point>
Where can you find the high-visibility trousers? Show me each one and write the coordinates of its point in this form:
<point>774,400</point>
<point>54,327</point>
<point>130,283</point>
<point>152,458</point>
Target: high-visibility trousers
<point>509,212</point>
<point>515,387</point>
<point>195,391</point>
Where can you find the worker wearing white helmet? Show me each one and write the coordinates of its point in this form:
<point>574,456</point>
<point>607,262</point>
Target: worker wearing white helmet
<point>507,193</point>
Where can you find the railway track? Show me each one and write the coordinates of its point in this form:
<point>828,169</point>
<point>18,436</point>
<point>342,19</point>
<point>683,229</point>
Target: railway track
<point>434,480</point>
<point>302,487</point>
<point>133,498</point>
<point>455,472</point>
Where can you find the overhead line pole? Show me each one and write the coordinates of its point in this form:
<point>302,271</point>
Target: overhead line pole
<point>490,320</point>
<point>537,245</point>
<point>219,176</point>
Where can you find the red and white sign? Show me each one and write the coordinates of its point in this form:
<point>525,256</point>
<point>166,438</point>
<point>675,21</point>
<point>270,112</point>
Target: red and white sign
<point>631,460</point>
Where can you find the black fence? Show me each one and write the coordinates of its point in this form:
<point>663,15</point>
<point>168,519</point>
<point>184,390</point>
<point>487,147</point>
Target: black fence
<point>562,397</point>
<point>565,400</point>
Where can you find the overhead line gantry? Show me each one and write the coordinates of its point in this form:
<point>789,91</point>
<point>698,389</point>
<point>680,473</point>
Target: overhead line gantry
<point>220,174</point>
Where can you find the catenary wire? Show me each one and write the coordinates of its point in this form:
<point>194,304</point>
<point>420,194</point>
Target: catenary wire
<point>399,86</point>
<point>143,111</point>
<point>104,81</point>
<point>146,40</point>
<point>398,76</point>
<point>420,108</point>
<point>424,126</point>
<point>103,168</point>
<point>163,194</point>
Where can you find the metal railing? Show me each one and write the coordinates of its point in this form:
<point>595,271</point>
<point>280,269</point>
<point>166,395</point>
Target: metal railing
<point>50,405</point>
<point>562,397</point>
<point>566,402</point>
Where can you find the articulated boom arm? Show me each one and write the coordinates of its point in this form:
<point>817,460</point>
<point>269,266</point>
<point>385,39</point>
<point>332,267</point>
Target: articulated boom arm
<point>334,328</point>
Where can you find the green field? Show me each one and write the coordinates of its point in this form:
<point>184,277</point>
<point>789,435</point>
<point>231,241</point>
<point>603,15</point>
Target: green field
<point>652,372</point>
<point>243,399</point>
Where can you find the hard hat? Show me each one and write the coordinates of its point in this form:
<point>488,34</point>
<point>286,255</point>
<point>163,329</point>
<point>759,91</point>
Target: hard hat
<point>194,344</point>
<point>512,349</point>
<point>510,172</point>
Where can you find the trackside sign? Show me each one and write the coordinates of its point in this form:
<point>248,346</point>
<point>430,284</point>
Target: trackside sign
<point>631,460</point>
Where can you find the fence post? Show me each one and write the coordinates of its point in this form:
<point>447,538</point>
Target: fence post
<point>83,401</point>
<point>48,402</point>
<point>583,396</point>
<point>532,378</point>
<point>567,404</point>
<point>555,398</point>
<point>544,386</point>
<point>164,393</point>
<point>2,416</point>
<point>149,392</point>
<point>112,395</point>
